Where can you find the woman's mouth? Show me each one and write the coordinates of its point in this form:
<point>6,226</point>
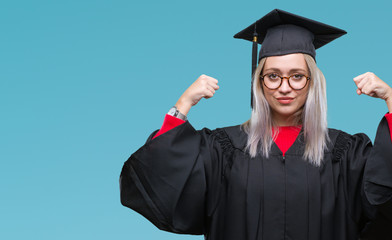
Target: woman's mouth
<point>285,100</point>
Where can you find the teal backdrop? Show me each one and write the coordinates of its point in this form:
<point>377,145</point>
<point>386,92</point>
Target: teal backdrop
<point>83,84</point>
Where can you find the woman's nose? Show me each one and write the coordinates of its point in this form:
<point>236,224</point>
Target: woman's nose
<point>285,87</point>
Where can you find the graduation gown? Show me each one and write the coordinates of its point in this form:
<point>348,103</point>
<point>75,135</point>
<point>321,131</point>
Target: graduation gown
<point>203,182</point>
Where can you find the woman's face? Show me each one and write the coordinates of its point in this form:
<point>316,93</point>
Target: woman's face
<point>285,101</point>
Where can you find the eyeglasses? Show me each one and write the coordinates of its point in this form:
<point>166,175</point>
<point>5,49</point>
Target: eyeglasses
<point>273,81</point>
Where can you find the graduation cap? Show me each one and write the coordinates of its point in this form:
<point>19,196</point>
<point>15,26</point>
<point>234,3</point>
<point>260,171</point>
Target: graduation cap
<point>280,33</point>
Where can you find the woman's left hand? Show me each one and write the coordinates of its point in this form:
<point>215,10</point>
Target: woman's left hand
<point>369,84</point>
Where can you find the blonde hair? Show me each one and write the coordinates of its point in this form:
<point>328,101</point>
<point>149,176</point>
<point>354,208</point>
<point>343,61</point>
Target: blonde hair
<point>313,117</point>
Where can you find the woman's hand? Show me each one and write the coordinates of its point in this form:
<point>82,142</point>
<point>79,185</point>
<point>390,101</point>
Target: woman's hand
<point>369,84</point>
<point>203,87</point>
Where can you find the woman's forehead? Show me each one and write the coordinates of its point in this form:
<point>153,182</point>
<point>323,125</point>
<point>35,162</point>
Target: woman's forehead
<point>286,63</point>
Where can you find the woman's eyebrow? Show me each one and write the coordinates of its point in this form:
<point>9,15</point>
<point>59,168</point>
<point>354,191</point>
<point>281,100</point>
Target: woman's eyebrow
<point>291,70</point>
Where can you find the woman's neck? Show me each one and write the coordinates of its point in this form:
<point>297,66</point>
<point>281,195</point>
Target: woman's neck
<point>285,121</point>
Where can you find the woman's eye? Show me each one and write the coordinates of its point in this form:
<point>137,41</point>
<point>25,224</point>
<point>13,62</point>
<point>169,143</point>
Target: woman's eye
<point>298,76</point>
<point>273,76</point>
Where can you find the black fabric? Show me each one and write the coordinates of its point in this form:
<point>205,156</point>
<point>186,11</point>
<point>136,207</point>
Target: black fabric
<point>203,182</point>
<point>286,39</point>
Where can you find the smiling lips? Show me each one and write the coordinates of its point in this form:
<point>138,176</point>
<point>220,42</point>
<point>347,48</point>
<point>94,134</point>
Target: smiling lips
<point>285,100</point>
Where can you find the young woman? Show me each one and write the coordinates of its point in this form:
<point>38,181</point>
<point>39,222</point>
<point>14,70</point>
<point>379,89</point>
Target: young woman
<point>281,175</point>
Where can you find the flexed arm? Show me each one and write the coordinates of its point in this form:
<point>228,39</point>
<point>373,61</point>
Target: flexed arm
<point>378,170</point>
<point>371,85</point>
<point>204,86</point>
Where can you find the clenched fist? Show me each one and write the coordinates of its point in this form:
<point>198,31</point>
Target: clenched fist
<point>203,87</point>
<point>369,84</point>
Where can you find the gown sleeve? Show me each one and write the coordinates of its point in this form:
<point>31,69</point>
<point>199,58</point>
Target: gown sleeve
<point>378,172</point>
<point>169,123</point>
<point>173,180</point>
<point>367,176</point>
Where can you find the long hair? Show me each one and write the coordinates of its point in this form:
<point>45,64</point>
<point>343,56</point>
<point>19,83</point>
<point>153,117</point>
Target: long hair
<point>312,116</point>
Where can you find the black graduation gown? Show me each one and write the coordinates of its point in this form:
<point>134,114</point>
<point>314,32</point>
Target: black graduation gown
<point>203,182</point>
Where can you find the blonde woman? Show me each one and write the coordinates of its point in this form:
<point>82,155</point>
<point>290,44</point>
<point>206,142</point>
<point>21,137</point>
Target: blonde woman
<point>281,175</point>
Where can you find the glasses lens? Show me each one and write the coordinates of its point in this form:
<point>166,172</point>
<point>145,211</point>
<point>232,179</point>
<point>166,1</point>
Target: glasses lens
<point>297,81</point>
<point>272,81</point>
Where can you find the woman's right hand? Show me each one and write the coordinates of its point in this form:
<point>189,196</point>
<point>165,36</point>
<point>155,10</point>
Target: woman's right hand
<point>203,87</point>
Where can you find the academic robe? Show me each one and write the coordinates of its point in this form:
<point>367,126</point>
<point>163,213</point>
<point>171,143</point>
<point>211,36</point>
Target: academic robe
<point>203,182</point>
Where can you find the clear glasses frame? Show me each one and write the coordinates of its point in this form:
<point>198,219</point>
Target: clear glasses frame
<point>288,80</point>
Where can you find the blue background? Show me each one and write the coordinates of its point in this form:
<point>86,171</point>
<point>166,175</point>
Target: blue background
<point>83,83</point>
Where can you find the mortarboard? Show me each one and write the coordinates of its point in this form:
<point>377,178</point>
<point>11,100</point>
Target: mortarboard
<point>280,33</point>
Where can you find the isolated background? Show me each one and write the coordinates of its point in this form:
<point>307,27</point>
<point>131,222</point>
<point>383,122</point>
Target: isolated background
<point>83,83</point>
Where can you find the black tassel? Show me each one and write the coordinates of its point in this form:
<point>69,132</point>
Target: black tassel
<point>254,63</point>
<point>254,54</point>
